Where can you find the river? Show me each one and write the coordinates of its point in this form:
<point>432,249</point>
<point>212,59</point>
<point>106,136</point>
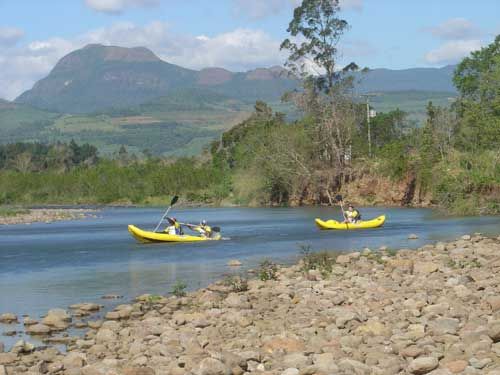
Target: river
<point>54,265</point>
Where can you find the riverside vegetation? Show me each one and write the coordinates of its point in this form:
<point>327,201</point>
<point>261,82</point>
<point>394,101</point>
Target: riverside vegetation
<point>434,310</point>
<point>452,161</point>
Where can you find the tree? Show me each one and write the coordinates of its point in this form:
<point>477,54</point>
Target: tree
<point>317,25</point>
<point>477,78</point>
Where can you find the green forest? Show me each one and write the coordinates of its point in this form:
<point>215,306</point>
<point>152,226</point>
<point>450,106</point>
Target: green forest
<point>452,161</point>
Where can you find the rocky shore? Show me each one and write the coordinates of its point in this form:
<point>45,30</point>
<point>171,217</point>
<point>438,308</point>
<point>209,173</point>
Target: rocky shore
<point>46,215</point>
<point>435,310</point>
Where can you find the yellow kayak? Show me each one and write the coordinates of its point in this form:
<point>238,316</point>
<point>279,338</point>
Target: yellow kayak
<point>147,236</point>
<point>362,224</point>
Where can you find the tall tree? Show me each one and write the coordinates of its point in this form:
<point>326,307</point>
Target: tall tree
<point>316,30</point>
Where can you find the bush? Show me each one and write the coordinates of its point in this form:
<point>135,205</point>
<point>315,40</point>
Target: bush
<point>268,270</point>
<point>322,261</point>
<point>179,289</point>
<point>236,283</point>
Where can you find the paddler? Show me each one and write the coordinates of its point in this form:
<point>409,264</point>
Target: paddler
<point>174,226</point>
<point>352,215</point>
<point>204,229</point>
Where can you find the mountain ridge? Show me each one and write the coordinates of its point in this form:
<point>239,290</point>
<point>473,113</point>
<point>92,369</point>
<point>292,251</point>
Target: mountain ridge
<point>98,77</point>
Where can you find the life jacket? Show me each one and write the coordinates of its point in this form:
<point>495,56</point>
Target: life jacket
<point>178,228</point>
<point>354,214</point>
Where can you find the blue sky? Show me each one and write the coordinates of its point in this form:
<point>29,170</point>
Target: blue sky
<point>234,34</point>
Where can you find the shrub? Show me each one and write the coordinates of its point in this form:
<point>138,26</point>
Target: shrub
<point>322,261</point>
<point>236,283</point>
<point>268,270</point>
<point>179,288</point>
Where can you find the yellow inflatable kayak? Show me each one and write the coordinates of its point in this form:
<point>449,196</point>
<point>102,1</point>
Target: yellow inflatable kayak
<point>147,236</point>
<point>363,224</point>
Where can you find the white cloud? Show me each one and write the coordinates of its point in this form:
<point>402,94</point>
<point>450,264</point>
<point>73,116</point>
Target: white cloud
<point>118,6</point>
<point>9,36</point>
<point>256,9</point>
<point>451,52</point>
<point>240,49</point>
<point>455,29</point>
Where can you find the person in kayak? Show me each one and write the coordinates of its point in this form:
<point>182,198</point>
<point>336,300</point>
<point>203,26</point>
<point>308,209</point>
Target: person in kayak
<point>205,229</point>
<point>174,227</point>
<point>352,215</point>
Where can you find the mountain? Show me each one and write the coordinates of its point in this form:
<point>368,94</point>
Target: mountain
<point>415,79</point>
<point>112,96</point>
<point>99,77</point>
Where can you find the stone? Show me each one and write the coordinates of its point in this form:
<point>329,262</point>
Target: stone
<point>456,367</point>
<point>290,371</point>
<point>212,366</point>
<point>8,318</point>
<point>7,358</point>
<point>494,302</point>
<point>325,362</point>
<point>411,351</point>
<point>89,307</point>
<point>343,259</point>
<point>412,236</point>
<point>234,263</point>
<point>425,267</point>
<point>442,326</point>
<point>288,345</point>
<point>3,370</point>
<point>23,347</point>
<point>466,237</point>
<point>494,331</point>
<point>57,319</point>
<point>74,360</point>
<point>38,329</point>
<point>423,365</point>
<point>138,371</point>
<point>105,335</point>
<point>374,328</point>
<point>297,360</point>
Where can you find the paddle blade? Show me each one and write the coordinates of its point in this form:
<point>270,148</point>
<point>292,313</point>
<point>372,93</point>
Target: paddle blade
<point>216,229</point>
<point>338,198</point>
<point>174,200</point>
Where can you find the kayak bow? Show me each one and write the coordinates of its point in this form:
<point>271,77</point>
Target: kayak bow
<point>363,224</point>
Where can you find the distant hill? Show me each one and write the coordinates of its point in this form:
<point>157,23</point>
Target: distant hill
<point>415,79</point>
<point>96,78</point>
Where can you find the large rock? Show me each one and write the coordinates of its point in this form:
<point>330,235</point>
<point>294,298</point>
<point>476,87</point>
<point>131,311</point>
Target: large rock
<point>423,365</point>
<point>58,319</point>
<point>8,318</point>
<point>38,329</point>
<point>74,360</point>
<point>105,335</point>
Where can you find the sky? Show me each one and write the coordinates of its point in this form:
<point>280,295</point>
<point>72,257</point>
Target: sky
<point>235,34</point>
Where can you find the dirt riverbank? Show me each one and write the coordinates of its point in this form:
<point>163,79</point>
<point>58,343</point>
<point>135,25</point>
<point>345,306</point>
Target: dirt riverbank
<point>44,215</point>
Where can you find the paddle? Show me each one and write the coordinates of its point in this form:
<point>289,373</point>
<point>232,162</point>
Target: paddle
<point>172,202</point>
<point>339,199</point>
<point>214,229</point>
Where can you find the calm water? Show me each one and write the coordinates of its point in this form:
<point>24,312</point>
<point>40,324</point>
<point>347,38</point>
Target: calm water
<point>54,265</point>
